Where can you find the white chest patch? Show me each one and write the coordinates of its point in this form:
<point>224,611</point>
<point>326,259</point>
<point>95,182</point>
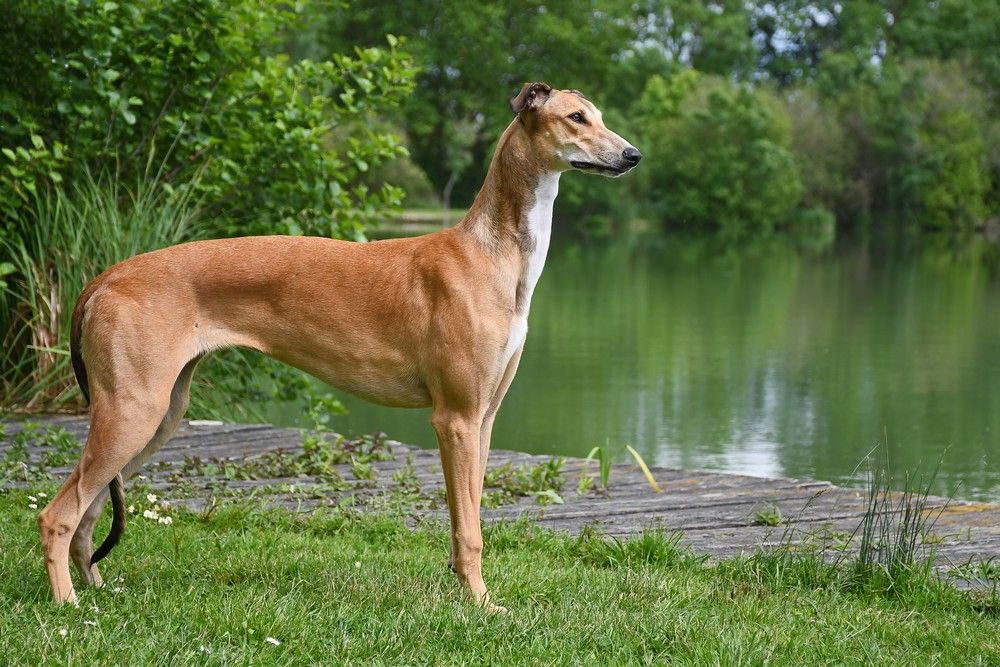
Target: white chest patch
<point>539,224</point>
<point>540,228</point>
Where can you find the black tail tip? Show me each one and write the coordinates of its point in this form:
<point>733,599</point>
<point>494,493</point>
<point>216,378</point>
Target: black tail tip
<point>118,513</point>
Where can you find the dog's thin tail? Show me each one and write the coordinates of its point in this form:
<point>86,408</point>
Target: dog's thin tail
<point>117,485</point>
<point>75,343</point>
<point>118,514</point>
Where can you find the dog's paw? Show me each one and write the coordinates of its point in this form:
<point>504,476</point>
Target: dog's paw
<point>494,609</point>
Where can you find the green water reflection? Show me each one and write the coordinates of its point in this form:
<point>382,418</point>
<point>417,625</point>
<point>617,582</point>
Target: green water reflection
<point>766,361</point>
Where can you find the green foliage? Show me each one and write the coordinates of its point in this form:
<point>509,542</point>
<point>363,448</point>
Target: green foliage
<point>6,268</point>
<point>318,460</point>
<point>912,145</point>
<point>603,458</point>
<point>714,38</point>
<point>871,138</point>
<point>25,169</point>
<point>907,98</point>
<point>278,145</point>
<point>544,481</point>
<point>723,163</point>
<point>769,516</point>
<point>472,57</point>
<point>74,235</point>
<point>242,136</point>
<point>950,177</point>
<point>824,155</point>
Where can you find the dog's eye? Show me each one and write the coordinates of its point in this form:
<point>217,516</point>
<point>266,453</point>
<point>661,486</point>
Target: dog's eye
<point>577,117</point>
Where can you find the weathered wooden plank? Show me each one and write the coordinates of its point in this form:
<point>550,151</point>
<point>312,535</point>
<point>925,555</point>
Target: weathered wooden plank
<point>714,511</point>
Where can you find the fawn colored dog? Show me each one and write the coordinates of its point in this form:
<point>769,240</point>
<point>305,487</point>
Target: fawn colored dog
<point>437,320</point>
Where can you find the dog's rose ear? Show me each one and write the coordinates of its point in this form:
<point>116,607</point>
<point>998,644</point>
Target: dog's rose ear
<point>532,96</point>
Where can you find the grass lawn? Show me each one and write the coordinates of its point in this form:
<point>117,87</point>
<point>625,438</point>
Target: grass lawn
<point>334,587</point>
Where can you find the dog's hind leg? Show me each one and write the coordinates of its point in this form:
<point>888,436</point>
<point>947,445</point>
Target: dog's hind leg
<point>81,546</point>
<point>118,432</point>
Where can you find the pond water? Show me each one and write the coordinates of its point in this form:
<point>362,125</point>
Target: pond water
<point>768,360</point>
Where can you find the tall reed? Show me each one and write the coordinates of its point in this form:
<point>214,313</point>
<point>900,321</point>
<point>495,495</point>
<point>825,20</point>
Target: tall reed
<point>76,234</point>
<point>889,552</point>
<point>892,535</point>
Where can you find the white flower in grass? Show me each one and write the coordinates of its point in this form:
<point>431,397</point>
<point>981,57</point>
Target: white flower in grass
<point>150,514</point>
<point>151,497</point>
<point>63,632</point>
<point>166,520</point>
<point>272,640</point>
<point>33,499</point>
<point>203,649</point>
<point>33,506</point>
<point>42,494</point>
<point>131,509</point>
<point>90,623</point>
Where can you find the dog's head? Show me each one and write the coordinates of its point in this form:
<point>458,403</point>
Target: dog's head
<point>567,127</point>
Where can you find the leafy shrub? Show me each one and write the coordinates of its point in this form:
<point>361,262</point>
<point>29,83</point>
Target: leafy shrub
<point>199,85</point>
<point>950,178</point>
<point>918,133</point>
<point>244,139</point>
<point>723,163</point>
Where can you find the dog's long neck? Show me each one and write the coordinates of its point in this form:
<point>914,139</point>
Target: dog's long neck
<point>512,214</point>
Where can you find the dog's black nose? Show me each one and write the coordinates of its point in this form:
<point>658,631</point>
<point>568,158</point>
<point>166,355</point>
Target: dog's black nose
<point>632,154</point>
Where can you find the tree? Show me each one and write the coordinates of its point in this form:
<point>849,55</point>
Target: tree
<point>723,162</point>
<point>711,37</point>
<point>474,56</point>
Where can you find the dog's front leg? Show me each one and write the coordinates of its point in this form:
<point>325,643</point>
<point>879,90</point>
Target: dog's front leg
<point>486,431</point>
<point>458,437</point>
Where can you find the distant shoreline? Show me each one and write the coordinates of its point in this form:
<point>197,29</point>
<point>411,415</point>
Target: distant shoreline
<point>417,221</point>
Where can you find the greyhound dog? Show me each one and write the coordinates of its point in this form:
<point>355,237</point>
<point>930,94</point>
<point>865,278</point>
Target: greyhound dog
<point>436,320</point>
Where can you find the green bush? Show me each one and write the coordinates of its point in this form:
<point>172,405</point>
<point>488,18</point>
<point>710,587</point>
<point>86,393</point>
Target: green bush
<point>918,133</point>
<point>722,162</point>
<point>950,177</point>
<point>244,139</point>
<point>199,85</point>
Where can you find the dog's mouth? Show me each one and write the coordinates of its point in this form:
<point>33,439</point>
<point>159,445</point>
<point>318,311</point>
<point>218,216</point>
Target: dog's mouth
<point>605,169</point>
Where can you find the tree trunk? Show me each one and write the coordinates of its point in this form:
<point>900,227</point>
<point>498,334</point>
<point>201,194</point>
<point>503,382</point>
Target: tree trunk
<point>446,197</point>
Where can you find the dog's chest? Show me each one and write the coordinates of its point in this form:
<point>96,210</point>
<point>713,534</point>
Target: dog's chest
<point>539,231</point>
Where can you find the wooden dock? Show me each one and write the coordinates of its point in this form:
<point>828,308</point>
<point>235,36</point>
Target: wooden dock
<point>718,514</point>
